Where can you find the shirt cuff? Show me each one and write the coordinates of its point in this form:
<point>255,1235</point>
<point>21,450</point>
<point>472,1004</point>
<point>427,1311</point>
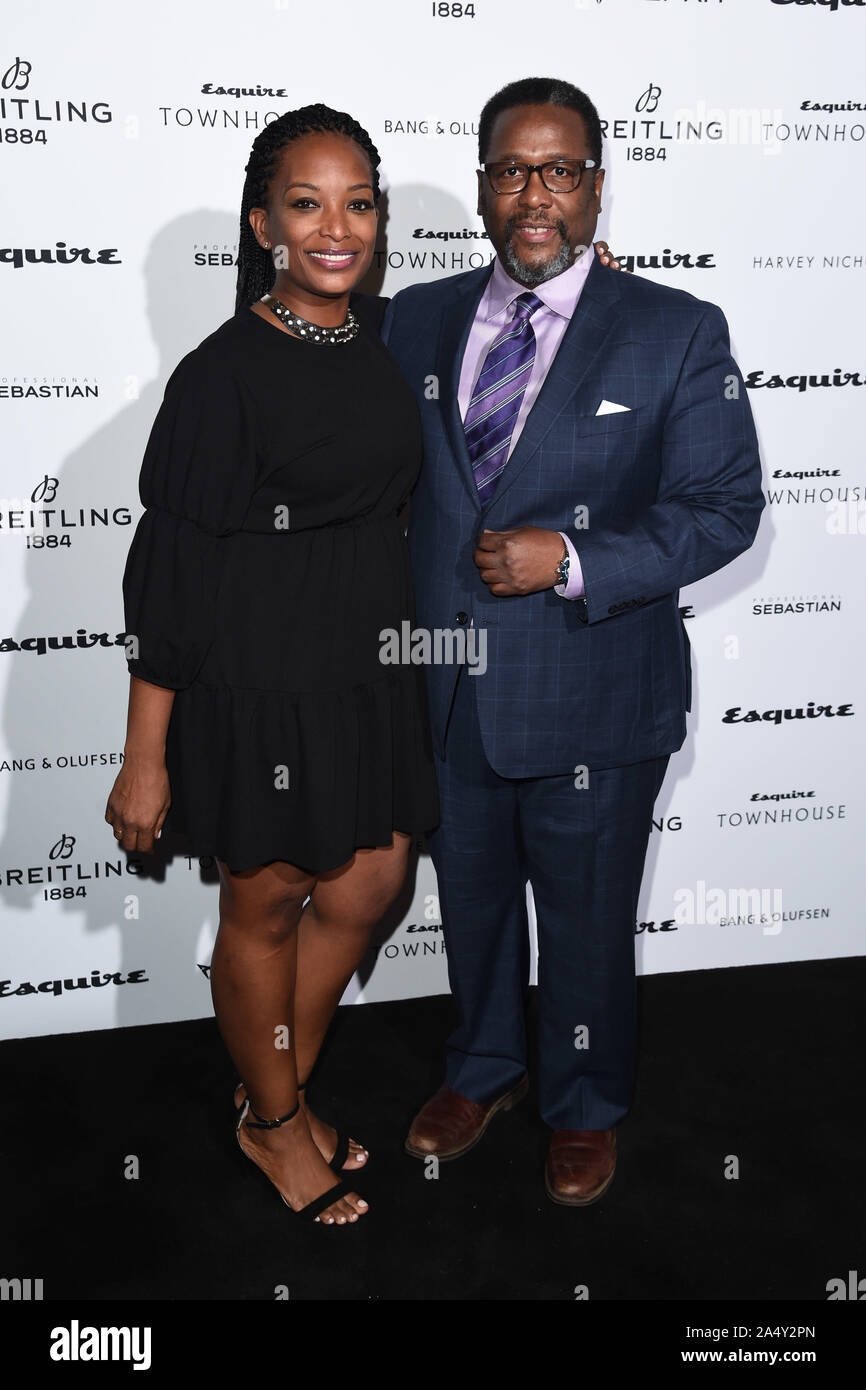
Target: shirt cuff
<point>574,588</point>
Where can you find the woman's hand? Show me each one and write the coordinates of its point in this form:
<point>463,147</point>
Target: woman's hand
<point>606,258</point>
<point>138,803</point>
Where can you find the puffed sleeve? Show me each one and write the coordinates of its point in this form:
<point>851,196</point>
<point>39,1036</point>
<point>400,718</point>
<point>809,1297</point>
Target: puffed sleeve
<point>196,483</point>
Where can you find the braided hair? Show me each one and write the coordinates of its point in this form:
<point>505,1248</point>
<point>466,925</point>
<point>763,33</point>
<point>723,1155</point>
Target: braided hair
<point>255,264</point>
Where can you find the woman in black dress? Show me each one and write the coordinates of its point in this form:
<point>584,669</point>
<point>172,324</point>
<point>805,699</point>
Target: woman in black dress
<point>271,554</point>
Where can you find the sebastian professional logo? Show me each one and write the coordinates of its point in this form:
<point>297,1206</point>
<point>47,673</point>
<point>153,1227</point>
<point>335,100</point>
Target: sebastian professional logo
<point>783,607</point>
<point>41,389</point>
<point>215,253</point>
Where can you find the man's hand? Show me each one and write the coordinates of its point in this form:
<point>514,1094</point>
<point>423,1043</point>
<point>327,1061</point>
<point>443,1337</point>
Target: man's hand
<point>606,258</point>
<point>522,561</point>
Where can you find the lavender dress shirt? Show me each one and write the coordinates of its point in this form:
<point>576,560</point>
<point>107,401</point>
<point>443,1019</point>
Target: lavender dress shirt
<point>559,298</point>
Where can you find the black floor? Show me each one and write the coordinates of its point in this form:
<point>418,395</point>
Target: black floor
<point>764,1064</point>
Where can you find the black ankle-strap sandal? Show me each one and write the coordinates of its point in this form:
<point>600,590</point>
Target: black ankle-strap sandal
<point>312,1210</point>
<point>341,1152</point>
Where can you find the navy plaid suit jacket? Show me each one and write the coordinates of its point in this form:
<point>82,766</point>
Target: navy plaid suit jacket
<point>673,492</point>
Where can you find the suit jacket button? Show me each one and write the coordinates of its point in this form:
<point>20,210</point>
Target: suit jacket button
<point>462,617</point>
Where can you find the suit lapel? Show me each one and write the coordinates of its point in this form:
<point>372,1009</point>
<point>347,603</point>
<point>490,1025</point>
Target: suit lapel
<point>457,320</point>
<point>590,327</point>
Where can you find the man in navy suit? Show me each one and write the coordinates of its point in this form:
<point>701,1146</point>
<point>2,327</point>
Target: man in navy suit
<point>589,449</point>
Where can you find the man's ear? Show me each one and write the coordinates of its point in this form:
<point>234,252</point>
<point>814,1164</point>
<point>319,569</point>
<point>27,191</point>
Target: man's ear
<point>479,209</point>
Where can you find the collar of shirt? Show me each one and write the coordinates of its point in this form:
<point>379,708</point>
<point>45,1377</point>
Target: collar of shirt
<point>559,294</point>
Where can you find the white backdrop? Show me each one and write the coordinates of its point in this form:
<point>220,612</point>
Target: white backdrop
<point>735,162</point>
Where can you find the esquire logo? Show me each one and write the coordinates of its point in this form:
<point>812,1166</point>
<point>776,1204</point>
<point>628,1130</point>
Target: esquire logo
<point>62,254</point>
<point>832,5</point>
<point>465,234</point>
<point>225,114</point>
<point>776,814</point>
<point>801,381</point>
<point>213,89</point>
<point>832,105</point>
<point>778,716</point>
<point>81,640</point>
<point>667,260</point>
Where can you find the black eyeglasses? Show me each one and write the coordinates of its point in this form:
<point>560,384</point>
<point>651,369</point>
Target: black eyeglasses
<point>557,175</point>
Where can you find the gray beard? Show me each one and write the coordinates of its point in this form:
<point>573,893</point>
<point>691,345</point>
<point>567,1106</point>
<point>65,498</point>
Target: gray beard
<point>536,275</point>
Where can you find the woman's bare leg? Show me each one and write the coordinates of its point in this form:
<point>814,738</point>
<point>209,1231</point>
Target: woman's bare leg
<point>253,971</point>
<point>333,934</point>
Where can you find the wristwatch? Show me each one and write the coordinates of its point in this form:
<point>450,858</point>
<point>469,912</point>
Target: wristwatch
<point>562,568</point>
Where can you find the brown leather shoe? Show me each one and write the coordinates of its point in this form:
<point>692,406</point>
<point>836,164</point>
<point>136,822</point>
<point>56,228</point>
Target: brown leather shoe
<point>580,1165</point>
<point>450,1125</point>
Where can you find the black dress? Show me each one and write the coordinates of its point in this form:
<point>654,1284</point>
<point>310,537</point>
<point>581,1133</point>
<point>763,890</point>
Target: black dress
<point>270,558</point>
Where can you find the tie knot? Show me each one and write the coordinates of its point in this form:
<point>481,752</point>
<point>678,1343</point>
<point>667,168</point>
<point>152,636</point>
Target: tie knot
<point>525,305</point>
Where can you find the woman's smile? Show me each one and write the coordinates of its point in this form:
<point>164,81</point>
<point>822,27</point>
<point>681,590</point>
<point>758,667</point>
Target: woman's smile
<point>333,258</point>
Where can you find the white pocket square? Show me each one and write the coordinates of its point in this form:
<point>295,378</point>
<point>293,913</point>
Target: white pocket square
<point>611,408</point>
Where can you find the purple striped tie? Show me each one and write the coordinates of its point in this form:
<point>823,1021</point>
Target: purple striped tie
<point>498,395</point>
